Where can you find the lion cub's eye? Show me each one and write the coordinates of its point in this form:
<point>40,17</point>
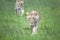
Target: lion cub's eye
<point>33,17</point>
<point>30,17</point>
<point>19,3</point>
<point>18,0</point>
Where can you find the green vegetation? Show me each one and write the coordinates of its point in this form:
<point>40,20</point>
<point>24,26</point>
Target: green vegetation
<point>15,27</point>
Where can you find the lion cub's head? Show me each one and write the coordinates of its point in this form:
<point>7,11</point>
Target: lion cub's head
<point>33,17</point>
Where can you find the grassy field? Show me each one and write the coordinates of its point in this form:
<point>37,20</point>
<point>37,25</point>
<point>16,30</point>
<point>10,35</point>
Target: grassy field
<point>15,27</point>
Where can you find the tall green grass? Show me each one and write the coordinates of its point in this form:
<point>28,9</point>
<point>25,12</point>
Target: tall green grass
<point>15,27</point>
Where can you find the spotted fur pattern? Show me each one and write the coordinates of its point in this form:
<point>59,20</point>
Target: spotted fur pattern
<point>33,18</point>
<point>19,6</point>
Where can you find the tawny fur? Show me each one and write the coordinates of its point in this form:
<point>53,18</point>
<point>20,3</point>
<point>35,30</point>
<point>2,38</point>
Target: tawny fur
<point>19,6</point>
<point>33,19</point>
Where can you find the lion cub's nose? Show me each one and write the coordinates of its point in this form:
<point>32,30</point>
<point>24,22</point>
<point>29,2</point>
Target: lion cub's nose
<point>31,23</point>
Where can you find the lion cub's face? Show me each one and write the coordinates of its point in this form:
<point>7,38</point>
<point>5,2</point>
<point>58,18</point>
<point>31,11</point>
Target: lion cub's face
<point>30,18</point>
<point>33,17</point>
<point>20,2</point>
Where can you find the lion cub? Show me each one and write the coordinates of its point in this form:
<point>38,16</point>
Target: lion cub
<point>33,19</point>
<point>19,6</point>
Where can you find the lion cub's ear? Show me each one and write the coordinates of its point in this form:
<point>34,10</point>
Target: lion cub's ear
<point>28,15</point>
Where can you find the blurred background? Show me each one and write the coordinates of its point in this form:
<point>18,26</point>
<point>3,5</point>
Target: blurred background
<point>15,27</point>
